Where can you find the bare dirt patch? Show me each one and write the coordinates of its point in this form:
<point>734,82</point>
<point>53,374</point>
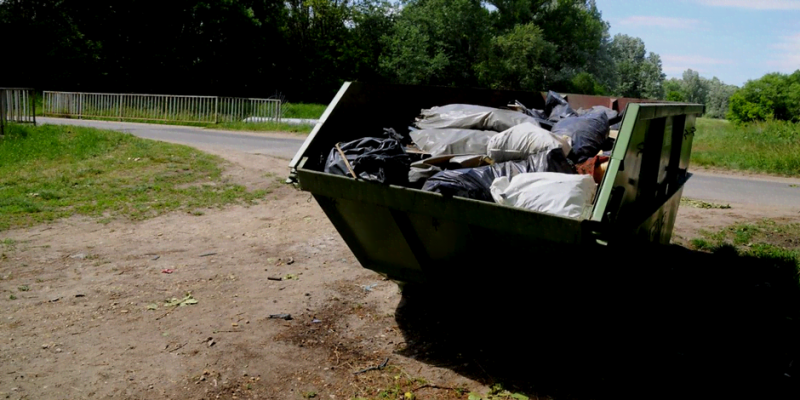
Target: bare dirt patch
<point>86,313</point>
<point>94,320</point>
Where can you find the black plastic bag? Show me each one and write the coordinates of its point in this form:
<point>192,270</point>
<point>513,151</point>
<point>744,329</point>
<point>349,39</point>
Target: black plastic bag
<point>372,159</point>
<point>611,114</point>
<point>403,138</point>
<point>476,183</point>
<point>539,115</point>
<point>588,134</point>
<point>557,108</point>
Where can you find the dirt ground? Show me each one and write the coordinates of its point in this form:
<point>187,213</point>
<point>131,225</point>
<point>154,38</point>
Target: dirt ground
<point>90,318</point>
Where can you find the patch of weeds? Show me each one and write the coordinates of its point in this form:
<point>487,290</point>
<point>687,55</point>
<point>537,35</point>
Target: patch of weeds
<point>743,233</point>
<point>309,395</point>
<point>763,250</point>
<point>175,302</point>
<point>703,204</point>
<point>766,239</point>
<point>197,213</point>
<point>23,288</point>
<point>702,244</point>
<point>12,297</point>
<point>9,243</point>
<point>496,392</point>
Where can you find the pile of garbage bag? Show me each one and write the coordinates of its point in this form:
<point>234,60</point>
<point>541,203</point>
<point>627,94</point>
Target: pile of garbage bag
<point>549,161</point>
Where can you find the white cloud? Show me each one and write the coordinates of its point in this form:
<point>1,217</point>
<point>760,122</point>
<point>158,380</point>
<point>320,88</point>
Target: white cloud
<point>788,58</point>
<point>660,22</point>
<point>755,4</point>
<point>675,65</point>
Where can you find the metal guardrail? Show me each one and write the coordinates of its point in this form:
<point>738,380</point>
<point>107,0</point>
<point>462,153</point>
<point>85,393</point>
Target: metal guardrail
<point>17,105</point>
<point>159,107</point>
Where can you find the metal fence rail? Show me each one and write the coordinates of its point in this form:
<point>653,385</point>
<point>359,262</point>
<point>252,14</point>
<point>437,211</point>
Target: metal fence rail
<point>17,105</point>
<point>159,107</point>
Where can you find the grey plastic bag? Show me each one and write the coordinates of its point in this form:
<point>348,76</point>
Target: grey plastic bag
<point>468,116</point>
<point>439,142</point>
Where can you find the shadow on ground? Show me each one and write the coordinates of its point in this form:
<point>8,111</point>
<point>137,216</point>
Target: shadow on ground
<point>650,323</point>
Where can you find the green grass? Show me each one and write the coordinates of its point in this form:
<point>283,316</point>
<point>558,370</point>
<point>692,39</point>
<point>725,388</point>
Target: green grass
<point>766,147</point>
<point>765,239</point>
<point>50,172</point>
<point>703,204</point>
<point>302,110</point>
<point>263,127</point>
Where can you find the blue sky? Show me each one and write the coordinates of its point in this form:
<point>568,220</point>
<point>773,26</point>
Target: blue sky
<point>734,40</point>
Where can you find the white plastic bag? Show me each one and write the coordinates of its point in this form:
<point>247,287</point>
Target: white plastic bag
<point>547,192</point>
<point>440,142</point>
<point>524,140</point>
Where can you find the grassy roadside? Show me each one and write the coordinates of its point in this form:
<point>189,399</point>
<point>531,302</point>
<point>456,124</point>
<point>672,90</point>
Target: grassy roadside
<point>51,171</point>
<point>767,147</point>
<point>765,239</point>
<point>303,129</point>
<point>303,110</point>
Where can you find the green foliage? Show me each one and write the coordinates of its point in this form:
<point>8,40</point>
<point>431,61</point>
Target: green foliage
<point>307,48</point>
<point>719,95</point>
<point>675,96</point>
<point>693,88</point>
<point>585,83</point>
<point>639,75</point>
<point>770,147</point>
<point>51,171</point>
<point>516,60</point>
<point>304,111</point>
<point>436,42</point>
<point>773,96</point>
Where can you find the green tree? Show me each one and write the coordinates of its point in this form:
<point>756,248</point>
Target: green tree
<point>773,96</point>
<point>517,60</point>
<point>436,42</point>
<point>673,90</point>
<point>585,83</point>
<point>718,97</point>
<point>638,74</point>
<point>693,87</point>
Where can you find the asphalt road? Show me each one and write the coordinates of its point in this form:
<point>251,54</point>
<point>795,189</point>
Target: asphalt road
<point>757,190</point>
<point>278,145</point>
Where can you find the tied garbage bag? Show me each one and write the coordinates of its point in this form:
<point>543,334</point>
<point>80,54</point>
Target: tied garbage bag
<point>611,114</point>
<point>557,108</point>
<point>468,116</point>
<point>546,192</point>
<point>424,169</point>
<point>539,115</point>
<point>522,141</point>
<point>438,142</point>
<point>475,183</point>
<point>588,134</point>
<point>372,159</point>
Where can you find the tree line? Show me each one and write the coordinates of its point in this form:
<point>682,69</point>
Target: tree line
<point>307,48</point>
